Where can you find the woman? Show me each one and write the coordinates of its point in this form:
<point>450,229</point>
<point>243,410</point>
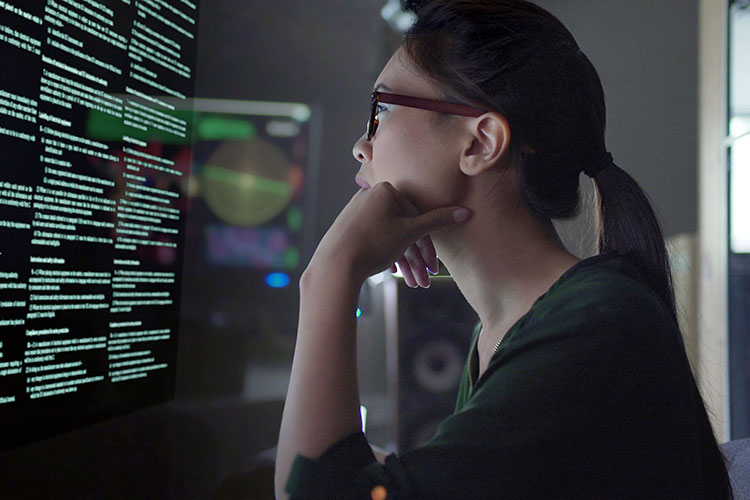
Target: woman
<point>577,385</point>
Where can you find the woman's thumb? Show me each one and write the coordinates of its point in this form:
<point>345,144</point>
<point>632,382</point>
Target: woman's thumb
<point>439,218</point>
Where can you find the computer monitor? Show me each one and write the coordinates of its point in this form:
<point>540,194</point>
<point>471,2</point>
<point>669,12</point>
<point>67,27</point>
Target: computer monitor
<point>95,152</point>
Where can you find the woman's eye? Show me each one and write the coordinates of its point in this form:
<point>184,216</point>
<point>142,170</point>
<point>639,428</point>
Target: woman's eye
<point>380,109</point>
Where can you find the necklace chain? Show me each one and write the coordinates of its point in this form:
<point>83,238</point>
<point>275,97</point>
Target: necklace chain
<point>472,382</point>
<point>497,345</point>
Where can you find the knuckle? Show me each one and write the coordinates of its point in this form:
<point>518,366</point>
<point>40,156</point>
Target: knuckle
<point>413,259</point>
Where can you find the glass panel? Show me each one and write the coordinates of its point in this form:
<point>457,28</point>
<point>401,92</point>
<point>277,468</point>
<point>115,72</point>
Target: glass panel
<point>739,189</point>
<point>739,219</point>
<point>739,128</point>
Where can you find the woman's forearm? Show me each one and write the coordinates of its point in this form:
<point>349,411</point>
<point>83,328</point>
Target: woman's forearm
<point>322,403</point>
<point>376,228</point>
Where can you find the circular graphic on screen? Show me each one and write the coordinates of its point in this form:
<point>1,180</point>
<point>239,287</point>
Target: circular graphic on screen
<point>247,183</point>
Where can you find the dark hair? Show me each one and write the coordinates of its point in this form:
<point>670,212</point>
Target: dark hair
<point>514,57</point>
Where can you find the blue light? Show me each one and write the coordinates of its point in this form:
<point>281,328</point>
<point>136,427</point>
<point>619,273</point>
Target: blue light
<point>277,280</point>
<point>359,312</point>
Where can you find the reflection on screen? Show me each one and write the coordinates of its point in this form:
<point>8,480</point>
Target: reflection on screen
<point>94,160</point>
<point>252,167</point>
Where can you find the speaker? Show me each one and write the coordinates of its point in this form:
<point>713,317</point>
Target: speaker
<point>434,336</point>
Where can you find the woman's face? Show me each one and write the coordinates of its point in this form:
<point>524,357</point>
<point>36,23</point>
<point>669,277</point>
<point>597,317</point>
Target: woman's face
<point>418,157</point>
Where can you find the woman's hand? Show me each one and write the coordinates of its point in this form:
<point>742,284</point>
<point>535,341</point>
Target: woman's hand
<point>376,228</point>
<point>414,264</point>
<point>379,227</point>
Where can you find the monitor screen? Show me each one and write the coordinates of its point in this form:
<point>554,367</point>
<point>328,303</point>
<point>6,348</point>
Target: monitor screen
<point>95,152</point>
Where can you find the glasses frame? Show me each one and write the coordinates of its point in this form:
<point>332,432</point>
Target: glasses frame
<point>450,108</point>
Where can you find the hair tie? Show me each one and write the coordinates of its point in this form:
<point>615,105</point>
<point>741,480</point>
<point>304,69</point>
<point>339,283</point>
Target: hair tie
<point>597,167</point>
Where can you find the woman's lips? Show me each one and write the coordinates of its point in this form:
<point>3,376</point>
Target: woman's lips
<point>361,182</point>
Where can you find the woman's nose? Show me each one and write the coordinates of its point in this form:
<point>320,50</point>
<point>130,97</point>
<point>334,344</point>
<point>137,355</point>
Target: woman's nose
<point>362,150</point>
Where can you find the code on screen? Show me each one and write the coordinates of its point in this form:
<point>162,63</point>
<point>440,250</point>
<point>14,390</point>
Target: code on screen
<point>94,161</point>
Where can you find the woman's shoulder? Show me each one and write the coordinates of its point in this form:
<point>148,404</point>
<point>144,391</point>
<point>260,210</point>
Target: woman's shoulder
<point>603,293</point>
<point>604,283</point>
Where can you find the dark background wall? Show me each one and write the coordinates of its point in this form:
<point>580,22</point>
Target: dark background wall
<point>646,55</point>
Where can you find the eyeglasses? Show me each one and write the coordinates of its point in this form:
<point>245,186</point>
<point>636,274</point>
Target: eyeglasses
<point>450,108</point>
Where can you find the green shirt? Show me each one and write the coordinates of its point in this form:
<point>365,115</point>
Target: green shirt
<point>589,395</point>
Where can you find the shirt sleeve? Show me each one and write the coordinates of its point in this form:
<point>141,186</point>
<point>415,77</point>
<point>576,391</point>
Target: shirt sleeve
<point>347,470</point>
<point>577,403</point>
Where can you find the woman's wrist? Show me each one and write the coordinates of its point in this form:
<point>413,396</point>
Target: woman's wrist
<point>326,272</point>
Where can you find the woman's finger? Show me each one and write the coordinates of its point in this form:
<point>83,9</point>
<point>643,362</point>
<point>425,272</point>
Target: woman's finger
<point>437,219</point>
<point>417,265</point>
<point>405,268</point>
<point>427,250</point>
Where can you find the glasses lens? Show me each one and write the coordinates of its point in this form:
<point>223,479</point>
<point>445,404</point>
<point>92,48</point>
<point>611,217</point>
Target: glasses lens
<point>372,123</point>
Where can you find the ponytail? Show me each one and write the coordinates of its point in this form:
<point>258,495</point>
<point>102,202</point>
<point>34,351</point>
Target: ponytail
<point>627,223</point>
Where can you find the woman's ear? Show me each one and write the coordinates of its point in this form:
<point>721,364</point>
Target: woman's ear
<point>487,143</point>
